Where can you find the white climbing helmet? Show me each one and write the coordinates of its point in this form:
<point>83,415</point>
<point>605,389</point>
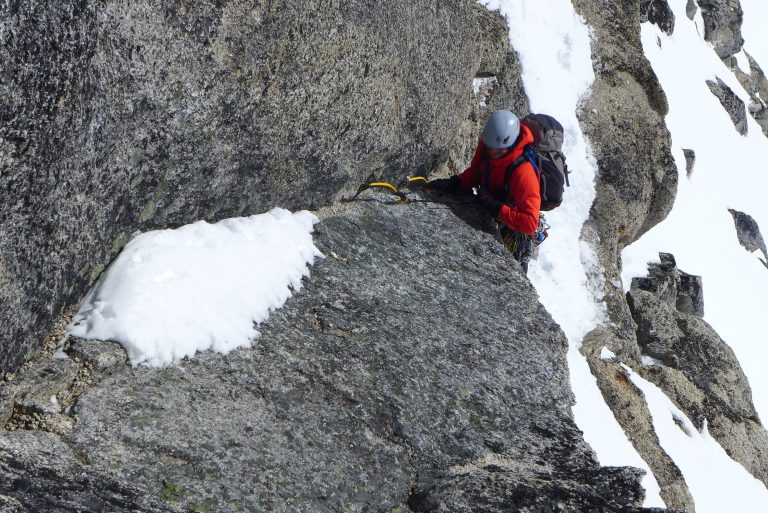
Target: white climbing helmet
<point>501,129</point>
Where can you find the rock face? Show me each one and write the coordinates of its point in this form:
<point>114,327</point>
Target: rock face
<point>42,474</point>
<point>722,25</point>
<point>732,104</point>
<point>121,116</point>
<point>699,371</point>
<point>440,385</point>
<point>624,120</point>
<point>748,233</point>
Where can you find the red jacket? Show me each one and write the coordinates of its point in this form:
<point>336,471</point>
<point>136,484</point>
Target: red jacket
<point>521,210</point>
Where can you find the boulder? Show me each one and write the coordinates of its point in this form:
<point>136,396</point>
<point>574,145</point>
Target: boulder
<point>121,117</point>
<point>690,161</point>
<point>722,25</point>
<point>691,8</point>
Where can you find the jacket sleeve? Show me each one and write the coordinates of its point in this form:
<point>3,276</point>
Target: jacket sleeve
<point>526,198</point>
<point>471,176</point>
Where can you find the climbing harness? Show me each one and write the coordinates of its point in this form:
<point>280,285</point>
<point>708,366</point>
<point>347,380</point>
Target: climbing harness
<point>524,247</point>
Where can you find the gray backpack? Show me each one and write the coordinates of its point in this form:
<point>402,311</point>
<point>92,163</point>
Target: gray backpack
<point>547,158</point>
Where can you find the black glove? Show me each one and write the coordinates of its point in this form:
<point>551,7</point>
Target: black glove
<point>492,205</point>
<point>445,185</point>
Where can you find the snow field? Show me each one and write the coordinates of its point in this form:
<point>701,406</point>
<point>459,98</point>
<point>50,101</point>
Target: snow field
<point>729,173</point>
<point>171,293</point>
<point>716,482</point>
<point>553,43</point>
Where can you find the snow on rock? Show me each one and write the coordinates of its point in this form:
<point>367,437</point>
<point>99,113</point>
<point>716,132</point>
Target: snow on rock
<point>650,360</point>
<point>700,230</point>
<point>553,43</point>
<point>716,482</point>
<point>171,293</point>
<point>743,62</point>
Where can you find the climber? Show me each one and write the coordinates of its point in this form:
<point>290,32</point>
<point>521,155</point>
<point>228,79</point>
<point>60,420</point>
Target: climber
<point>507,184</point>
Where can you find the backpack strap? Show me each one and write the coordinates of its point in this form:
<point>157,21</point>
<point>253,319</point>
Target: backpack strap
<point>529,155</point>
<point>487,170</point>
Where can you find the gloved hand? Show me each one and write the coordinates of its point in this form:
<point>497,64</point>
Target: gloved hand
<point>492,205</point>
<point>445,185</point>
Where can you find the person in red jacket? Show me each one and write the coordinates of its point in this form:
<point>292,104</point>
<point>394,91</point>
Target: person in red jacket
<point>507,184</point>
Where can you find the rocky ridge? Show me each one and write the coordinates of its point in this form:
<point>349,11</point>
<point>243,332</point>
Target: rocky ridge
<point>661,316</point>
<point>371,390</point>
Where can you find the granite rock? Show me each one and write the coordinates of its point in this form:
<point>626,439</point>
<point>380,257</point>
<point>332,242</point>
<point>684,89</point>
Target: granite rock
<point>40,473</point>
<point>698,370</point>
<point>722,25</point>
<point>631,411</point>
<point>732,104</point>
<point>748,233</point>
<point>624,120</point>
<point>690,161</point>
<point>123,116</point>
<point>414,367</point>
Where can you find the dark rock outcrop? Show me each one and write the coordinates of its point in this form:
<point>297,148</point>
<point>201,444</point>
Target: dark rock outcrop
<point>659,13</point>
<point>690,161</point>
<point>732,104</point>
<point>748,233</point>
<point>700,372</point>
<point>756,84</point>
<point>722,25</point>
<point>676,288</point>
<point>440,385</point>
<point>124,116</point>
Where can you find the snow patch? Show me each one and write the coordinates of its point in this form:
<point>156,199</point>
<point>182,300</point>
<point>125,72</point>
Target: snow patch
<point>743,62</point>
<point>650,360</point>
<point>606,354</point>
<point>716,482</point>
<point>483,87</point>
<point>171,293</point>
<point>59,354</point>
